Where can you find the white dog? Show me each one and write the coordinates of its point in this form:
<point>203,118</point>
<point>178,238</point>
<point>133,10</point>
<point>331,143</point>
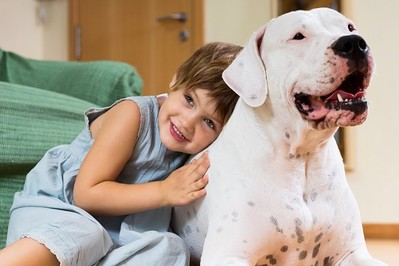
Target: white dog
<point>277,192</point>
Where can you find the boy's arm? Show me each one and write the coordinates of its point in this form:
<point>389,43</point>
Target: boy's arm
<point>115,135</point>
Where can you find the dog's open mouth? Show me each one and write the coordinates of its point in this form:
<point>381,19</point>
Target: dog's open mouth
<point>349,96</point>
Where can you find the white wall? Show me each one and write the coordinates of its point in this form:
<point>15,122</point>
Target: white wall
<point>375,180</point>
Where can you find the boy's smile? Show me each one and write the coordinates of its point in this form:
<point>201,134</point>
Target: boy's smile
<point>176,133</point>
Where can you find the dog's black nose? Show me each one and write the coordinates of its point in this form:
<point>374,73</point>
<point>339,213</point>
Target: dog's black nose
<point>351,47</point>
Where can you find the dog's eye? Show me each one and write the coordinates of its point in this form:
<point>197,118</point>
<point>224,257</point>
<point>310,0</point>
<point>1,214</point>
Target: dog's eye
<point>299,36</point>
<point>351,27</point>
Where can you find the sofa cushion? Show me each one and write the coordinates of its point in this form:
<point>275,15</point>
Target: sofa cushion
<point>9,184</point>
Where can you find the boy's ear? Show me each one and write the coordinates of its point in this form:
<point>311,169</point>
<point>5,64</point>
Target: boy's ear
<point>247,74</point>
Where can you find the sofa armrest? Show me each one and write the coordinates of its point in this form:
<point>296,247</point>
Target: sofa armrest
<point>99,82</point>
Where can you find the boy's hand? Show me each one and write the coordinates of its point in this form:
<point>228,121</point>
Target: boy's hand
<point>187,183</point>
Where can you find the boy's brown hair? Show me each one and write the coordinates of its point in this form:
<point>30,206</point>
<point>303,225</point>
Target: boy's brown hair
<point>203,70</point>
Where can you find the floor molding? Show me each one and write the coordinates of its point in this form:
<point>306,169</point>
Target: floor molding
<point>382,231</point>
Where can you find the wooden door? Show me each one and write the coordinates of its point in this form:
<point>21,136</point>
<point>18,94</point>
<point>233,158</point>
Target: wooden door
<point>155,36</point>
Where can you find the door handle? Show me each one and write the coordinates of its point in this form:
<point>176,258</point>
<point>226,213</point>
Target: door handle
<point>180,16</point>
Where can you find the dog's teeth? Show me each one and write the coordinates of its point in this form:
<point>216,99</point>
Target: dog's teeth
<point>340,99</point>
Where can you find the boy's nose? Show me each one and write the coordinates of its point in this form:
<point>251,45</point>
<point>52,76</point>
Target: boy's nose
<point>189,121</point>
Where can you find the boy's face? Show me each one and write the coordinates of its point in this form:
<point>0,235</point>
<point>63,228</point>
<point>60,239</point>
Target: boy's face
<point>188,122</point>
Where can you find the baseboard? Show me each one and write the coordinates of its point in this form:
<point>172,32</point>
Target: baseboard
<point>384,231</point>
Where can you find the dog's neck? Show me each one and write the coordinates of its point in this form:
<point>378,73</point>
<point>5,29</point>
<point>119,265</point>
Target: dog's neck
<point>304,140</point>
<point>294,137</point>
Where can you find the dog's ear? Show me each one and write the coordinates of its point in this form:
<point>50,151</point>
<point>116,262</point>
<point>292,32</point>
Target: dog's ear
<point>247,74</point>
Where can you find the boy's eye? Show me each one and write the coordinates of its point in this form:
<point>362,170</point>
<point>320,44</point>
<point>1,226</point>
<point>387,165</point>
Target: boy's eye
<point>189,100</point>
<point>209,123</point>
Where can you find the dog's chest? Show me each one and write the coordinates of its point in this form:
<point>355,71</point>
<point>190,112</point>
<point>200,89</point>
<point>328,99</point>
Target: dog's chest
<point>319,246</point>
<point>296,219</point>
<point>301,235</point>
<point>307,227</point>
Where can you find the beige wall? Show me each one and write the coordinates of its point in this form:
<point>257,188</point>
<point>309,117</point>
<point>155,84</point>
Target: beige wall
<point>235,20</point>
<point>35,29</point>
<point>375,180</point>
<point>19,28</point>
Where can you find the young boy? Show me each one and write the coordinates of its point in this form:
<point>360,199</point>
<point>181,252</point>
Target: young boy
<point>106,198</point>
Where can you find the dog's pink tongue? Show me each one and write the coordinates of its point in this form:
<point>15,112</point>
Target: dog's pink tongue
<point>319,112</point>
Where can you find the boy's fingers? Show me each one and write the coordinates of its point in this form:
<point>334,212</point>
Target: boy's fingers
<point>201,183</point>
<point>197,194</point>
<point>203,158</point>
<point>203,161</point>
<point>199,172</point>
<point>201,164</point>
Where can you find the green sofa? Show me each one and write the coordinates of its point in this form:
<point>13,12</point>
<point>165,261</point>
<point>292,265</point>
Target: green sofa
<point>42,105</point>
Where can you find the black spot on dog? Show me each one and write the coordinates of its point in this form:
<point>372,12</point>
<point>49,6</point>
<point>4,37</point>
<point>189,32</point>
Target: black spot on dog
<point>273,220</point>
<point>316,250</point>
<point>318,237</point>
<point>328,261</point>
<point>313,195</point>
<point>305,198</point>
<point>299,234</point>
<point>289,207</point>
<point>298,222</point>
<point>348,227</point>
<point>284,249</point>
<point>234,215</point>
<point>271,259</point>
<point>251,203</point>
<point>302,255</point>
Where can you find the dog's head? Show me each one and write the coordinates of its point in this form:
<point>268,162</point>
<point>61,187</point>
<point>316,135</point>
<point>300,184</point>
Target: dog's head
<point>312,62</point>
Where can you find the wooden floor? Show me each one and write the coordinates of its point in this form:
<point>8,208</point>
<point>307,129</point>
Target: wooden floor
<point>385,250</point>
